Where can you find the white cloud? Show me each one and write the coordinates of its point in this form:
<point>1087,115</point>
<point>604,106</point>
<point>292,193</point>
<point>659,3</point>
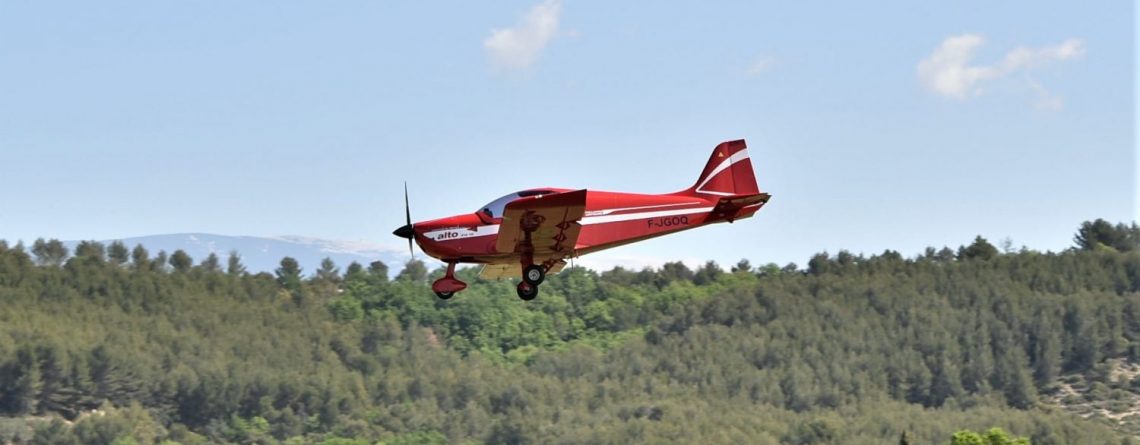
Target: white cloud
<point>519,46</point>
<point>1045,100</point>
<point>761,65</point>
<point>948,72</point>
<point>1022,57</point>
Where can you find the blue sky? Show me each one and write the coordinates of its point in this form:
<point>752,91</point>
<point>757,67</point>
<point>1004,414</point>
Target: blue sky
<point>889,125</point>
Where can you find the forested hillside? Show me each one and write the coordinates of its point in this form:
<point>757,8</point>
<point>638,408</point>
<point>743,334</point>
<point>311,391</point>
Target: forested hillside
<point>113,345</point>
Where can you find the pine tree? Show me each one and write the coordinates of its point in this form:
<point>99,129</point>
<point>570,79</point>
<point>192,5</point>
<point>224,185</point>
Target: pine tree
<point>117,253</point>
<point>159,263</point>
<point>28,383</point>
<point>181,261</point>
<point>211,264</point>
<point>378,271</point>
<point>1101,234</point>
<point>354,273</point>
<point>980,249</point>
<point>1045,344</point>
<point>289,278</point>
<point>414,271</point>
<point>328,272</point>
<point>140,258</point>
<point>49,253</point>
<point>289,274</point>
<point>946,382</point>
<point>91,250</point>
<point>234,267</point>
<point>707,273</point>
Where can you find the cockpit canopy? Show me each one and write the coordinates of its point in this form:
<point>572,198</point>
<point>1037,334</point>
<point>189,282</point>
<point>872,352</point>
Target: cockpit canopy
<point>494,209</point>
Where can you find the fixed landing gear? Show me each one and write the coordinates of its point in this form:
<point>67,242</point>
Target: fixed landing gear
<point>527,291</point>
<point>534,274</point>
<point>447,286</point>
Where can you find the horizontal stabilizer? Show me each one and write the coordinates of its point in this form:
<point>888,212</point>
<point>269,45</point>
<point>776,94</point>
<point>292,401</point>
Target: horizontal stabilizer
<point>730,202</point>
<point>740,206</point>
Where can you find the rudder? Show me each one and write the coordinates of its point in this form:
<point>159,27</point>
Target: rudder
<point>728,172</point>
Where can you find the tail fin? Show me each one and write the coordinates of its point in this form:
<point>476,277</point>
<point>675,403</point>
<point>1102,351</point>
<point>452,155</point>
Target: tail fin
<point>728,172</point>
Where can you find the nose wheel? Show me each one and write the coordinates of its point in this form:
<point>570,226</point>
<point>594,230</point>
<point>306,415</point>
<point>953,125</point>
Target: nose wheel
<point>447,286</point>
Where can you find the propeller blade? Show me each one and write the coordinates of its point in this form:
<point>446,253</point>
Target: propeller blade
<point>408,218</point>
<point>407,208</point>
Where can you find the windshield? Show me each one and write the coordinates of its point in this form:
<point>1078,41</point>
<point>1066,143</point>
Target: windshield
<point>494,209</point>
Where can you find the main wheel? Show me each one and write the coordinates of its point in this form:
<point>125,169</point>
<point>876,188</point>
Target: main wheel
<point>534,274</point>
<point>444,295</point>
<point>527,292</point>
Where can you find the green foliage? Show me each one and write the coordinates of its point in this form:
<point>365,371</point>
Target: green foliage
<point>89,250</point>
<point>49,253</point>
<point>289,278</point>
<point>140,258</point>
<point>117,253</point>
<point>1100,234</point>
<point>211,264</point>
<point>994,436</point>
<point>980,249</point>
<point>14,430</point>
<point>54,432</point>
<point>181,261</point>
<point>159,263</point>
<point>343,441</point>
<point>417,438</point>
<point>289,274</point>
<point>967,438</point>
<point>378,270</point>
<point>234,267</point>
<point>346,309</point>
<point>856,349</point>
<point>707,274</point>
<point>132,425</point>
<point>328,272</point>
<point>414,271</point>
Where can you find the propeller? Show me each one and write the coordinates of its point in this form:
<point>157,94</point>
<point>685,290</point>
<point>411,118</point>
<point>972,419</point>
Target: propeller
<point>406,231</point>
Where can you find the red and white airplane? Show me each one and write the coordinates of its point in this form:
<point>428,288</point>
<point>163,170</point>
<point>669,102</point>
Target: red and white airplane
<point>531,233</point>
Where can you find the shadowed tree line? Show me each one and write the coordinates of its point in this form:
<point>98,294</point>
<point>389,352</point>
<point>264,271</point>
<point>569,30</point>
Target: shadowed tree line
<point>120,345</point>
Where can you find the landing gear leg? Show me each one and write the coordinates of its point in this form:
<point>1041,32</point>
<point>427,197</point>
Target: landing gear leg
<point>447,286</point>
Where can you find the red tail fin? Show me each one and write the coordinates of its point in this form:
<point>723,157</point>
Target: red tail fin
<point>728,172</point>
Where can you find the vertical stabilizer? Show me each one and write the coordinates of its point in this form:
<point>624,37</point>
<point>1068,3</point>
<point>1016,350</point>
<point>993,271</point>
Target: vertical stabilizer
<point>728,172</point>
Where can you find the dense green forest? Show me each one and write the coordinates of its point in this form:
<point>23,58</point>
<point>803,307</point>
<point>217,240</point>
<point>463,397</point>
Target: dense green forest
<point>114,344</point>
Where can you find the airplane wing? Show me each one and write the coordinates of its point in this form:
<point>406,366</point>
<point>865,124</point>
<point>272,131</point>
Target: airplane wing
<point>553,223</point>
<point>512,270</point>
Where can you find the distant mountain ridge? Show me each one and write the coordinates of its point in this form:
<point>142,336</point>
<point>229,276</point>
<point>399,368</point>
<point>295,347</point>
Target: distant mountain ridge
<point>263,254</point>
